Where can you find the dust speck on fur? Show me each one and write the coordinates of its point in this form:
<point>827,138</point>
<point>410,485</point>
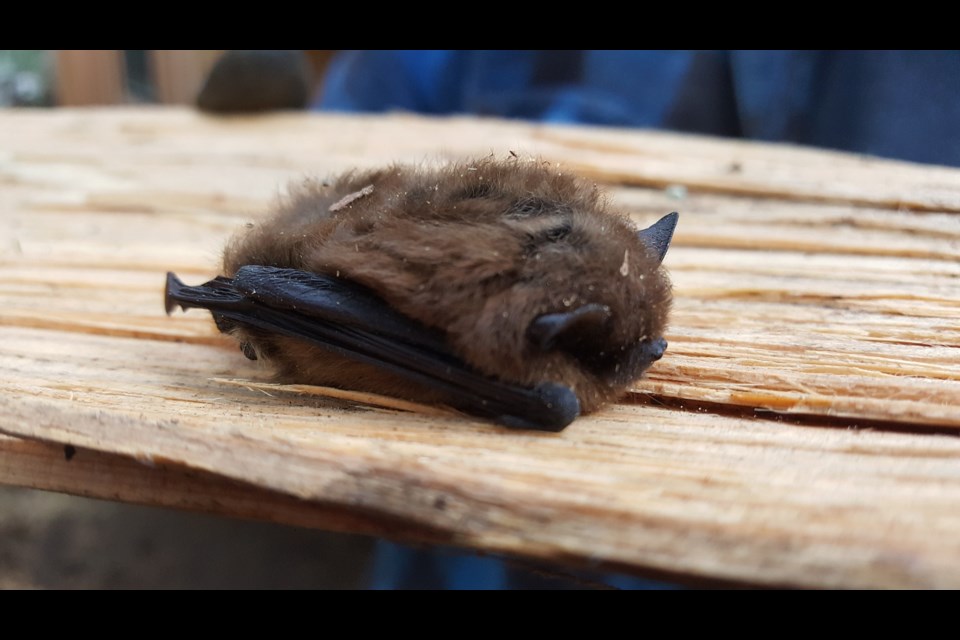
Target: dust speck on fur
<point>350,198</point>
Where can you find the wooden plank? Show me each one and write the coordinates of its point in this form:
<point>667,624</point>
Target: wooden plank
<point>93,474</point>
<point>826,310</point>
<point>638,487</point>
<point>642,158</point>
<point>830,302</point>
<point>755,170</point>
<point>90,77</point>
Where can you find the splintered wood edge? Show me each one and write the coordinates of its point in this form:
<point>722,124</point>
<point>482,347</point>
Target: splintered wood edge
<point>360,397</point>
<point>78,471</point>
<point>89,473</point>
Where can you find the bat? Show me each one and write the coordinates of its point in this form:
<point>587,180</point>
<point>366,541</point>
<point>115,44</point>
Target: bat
<point>505,289</point>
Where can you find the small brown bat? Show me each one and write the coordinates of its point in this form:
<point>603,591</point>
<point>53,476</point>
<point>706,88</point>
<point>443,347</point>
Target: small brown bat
<point>505,289</point>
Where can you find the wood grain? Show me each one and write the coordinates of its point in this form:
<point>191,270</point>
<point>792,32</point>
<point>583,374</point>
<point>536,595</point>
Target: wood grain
<point>798,431</point>
<point>94,474</point>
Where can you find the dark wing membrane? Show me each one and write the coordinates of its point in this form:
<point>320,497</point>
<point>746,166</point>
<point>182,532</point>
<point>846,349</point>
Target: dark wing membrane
<point>353,322</point>
<point>332,299</point>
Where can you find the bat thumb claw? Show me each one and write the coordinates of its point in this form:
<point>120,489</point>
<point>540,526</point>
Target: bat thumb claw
<point>559,407</point>
<point>170,292</point>
<point>563,405</point>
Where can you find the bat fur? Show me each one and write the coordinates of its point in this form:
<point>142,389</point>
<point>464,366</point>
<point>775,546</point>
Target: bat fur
<point>519,265</point>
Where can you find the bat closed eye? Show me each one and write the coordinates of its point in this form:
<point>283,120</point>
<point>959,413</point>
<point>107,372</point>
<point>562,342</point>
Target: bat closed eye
<point>503,289</point>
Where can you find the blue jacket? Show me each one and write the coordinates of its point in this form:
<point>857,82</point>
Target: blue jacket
<point>900,104</point>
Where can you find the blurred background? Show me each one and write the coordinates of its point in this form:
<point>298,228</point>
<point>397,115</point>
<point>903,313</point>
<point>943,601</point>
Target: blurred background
<point>896,104</point>
<point>109,77</point>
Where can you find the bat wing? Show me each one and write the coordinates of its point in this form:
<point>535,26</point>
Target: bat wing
<point>353,322</point>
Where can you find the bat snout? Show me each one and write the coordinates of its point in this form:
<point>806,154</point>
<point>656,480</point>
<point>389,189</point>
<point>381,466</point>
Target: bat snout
<point>654,349</point>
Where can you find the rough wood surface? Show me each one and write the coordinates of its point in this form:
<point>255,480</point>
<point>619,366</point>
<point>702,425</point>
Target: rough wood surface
<point>90,473</point>
<point>799,430</point>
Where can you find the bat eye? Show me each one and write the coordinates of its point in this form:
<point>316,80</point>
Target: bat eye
<point>527,207</point>
<point>248,350</point>
<point>571,330</point>
<point>559,232</point>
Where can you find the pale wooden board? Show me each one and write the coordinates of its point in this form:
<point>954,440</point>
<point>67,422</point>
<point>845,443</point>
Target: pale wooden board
<point>193,149</point>
<point>813,303</point>
<point>90,473</point>
<point>639,487</point>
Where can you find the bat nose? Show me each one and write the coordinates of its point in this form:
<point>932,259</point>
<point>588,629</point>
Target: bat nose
<point>655,348</point>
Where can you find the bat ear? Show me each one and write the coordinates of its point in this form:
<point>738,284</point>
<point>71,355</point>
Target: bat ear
<point>570,329</point>
<point>659,234</point>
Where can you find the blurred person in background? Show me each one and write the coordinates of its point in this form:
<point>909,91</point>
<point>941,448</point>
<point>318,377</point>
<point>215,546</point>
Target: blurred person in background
<point>897,104</point>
